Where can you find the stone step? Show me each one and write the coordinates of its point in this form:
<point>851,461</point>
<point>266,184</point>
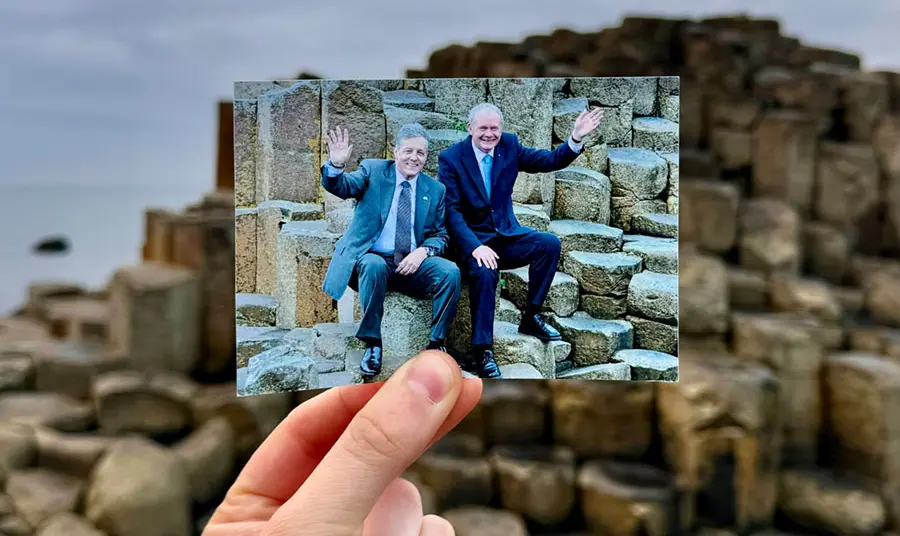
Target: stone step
<point>655,134</point>
<point>281,369</point>
<point>662,225</point>
<point>603,273</point>
<point>254,340</point>
<point>654,296</point>
<point>593,341</point>
<point>531,217</point>
<point>520,371</point>
<point>591,237</point>
<point>255,309</point>
<point>303,252</point>
<point>512,347</point>
<point>637,173</point>
<point>397,116</point>
<point>658,256</point>
<point>606,371</point>
<point>649,365</point>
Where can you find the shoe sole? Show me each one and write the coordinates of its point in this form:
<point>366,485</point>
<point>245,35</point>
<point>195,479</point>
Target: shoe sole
<point>542,339</point>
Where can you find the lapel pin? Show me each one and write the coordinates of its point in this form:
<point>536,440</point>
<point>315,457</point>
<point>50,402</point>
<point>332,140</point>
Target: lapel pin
<point>425,198</point>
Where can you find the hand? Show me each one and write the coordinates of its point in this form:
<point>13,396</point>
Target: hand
<point>486,257</point>
<point>586,123</point>
<point>339,147</point>
<point>410,264</point>
<point>333,466</point>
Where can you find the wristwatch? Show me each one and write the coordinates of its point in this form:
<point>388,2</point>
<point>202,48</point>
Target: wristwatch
<point>429,251</point>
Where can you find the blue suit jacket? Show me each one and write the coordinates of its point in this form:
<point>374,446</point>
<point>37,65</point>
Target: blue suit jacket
<point>472,218</point>
<point>372,185</point>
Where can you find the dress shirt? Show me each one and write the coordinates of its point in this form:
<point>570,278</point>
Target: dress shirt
<point>385,242</point>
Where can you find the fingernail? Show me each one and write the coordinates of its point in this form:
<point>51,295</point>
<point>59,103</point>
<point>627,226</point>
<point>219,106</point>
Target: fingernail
<point>430,377</point>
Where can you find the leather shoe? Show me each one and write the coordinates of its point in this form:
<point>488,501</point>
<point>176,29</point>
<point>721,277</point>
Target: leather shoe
<point>536,326</point>
<point>371,361</point>
<point>487,367</point>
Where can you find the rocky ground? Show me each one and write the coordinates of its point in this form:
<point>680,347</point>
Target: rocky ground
<point>118,412</point>
<point>615,210</point>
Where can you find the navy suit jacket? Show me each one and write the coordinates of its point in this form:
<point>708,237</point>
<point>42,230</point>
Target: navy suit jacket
<point>472,218</point>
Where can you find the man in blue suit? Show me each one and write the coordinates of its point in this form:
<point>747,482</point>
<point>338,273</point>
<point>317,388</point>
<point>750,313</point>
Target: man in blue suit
<point>395,240</point>
<point>479,173</point>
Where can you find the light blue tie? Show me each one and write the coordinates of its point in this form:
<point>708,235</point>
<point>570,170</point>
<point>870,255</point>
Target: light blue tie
<point>487,161</point>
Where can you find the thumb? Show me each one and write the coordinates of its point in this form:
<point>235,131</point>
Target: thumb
<point>383,440</point>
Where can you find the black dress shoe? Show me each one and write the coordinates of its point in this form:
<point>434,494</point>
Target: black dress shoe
<point>487,367</point>
<point>371,361</point>
<point>536,326</point>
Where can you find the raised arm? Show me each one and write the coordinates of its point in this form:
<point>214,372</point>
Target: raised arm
<point>456,224</point>
<point>544,160</point>
<point>334,179</point>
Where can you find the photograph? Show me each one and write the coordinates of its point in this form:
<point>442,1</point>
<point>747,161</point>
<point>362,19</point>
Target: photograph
<point>528,227</point>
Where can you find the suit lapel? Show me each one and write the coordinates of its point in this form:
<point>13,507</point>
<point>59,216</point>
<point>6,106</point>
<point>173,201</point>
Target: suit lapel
<point>423,202</point>
<point>471,165</point>
<point>389,182</point>
<point>496,166</point>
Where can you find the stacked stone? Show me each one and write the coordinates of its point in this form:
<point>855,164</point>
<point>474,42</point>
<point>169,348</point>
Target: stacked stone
<point>787,275</point>
<point>287,225</point>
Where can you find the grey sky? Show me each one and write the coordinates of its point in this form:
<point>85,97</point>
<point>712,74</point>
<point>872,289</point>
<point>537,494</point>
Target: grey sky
<point>123,92</point>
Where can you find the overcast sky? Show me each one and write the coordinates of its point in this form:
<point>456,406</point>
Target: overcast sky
<point>123,92</point>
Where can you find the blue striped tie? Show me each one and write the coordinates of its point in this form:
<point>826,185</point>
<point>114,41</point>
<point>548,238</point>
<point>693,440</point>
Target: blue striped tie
<point>404,212</point>
<point>487,161</point>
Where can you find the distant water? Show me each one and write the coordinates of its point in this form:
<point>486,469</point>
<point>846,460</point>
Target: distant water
<point>104,225</point>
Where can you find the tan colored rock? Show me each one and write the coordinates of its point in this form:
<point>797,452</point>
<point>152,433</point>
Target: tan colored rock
<point>77,318</point>
<point>820,500</point>
<point>535,481</point>
<point>514,412</point>
<point>46,409</point>
<point>71,367</point>
<point>847,183</point>
<point>734,148</point>
<point>784,148</point>
<point>861,391</point>
<point>718,408</point>
<point>303,253</point>
<point>245,121</point>
<point>167,339</point>
<point>826,251</point>
<point>709,214</point>
<point>67,524</point>
<point>457,471</point>
<point>245,250</point>
<point>747,290</point>
<point>804,296</point>
<point>18,445</point>
<point>485,521</point>
<point>39,493</point>
<point>625,408</point>
<point>67,453</point>
<point>158,234</point>
<point>16,371</point>
<point>769,236</point>
<point>208,456</point>
<point>865,98</point>
<point>703,287</point>
<point>626,499</point>
<point>562,299</point>
<point>139,489</point>
<point>150,403</point>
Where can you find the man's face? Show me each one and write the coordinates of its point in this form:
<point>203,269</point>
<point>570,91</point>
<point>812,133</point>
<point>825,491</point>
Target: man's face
<point>485,129</point>
<point>410,156</point>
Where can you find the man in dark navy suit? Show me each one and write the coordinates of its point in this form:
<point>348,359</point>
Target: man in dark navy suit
<point>479,173</point>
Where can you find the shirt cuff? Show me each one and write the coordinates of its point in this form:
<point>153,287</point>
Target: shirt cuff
<point>332,171</point>
<point>576,147</point>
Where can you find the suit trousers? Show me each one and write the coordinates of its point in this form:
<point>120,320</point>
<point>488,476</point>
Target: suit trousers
<point>538,250</point>
<point>374,275</point>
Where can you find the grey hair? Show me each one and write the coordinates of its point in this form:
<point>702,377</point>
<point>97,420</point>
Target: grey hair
<point>484,107</point>
<point>412,130</point>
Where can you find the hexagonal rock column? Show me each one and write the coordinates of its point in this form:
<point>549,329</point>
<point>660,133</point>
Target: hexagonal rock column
<point>626,499</point>
<point>457,471</point>
<point>406,324</point>
<point>158,235</point>
<point>255,309</point>
<point>604,280</point>
<point>654,296</point>
<point>287,157</point>
<point>616,95</point>
<point>659,255</point>
<point>585,236</point>
<point>847,183</point>
<point>245,250</point>
<point>581,194</point>
<point>484,521</point>
<point>672,191</point>
<point>527,106</point>
<point>155,316</point>
<point>710,215</point>
<point>208,456</point>
<point>70,368</point>
<point>204,242</point>
<point>649,365</point>
<point>279,370</point>
<point>156,404</point>
<point>396,117</point>
<point>624,408</point>
<point>512,347</point>
<point>303,253</point>
<point>271,216</point>
<point>661,225</point>
<point>562,298</point>
<point>594,341</point>
<point>513,413</point>
<point>245,146</point>
<point>655,134</point>
<point>784,153</point>
<point>638,177</point>
<point>827,501</point>
<point>455,97</point>
<point>407,98</point>
<point>565,112</point>
<point>769,236</point>
<point>535,481</point>
<point>438,140</point>
<point>359,108</point>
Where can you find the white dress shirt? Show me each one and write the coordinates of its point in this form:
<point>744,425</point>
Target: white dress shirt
<point>385,242</point>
